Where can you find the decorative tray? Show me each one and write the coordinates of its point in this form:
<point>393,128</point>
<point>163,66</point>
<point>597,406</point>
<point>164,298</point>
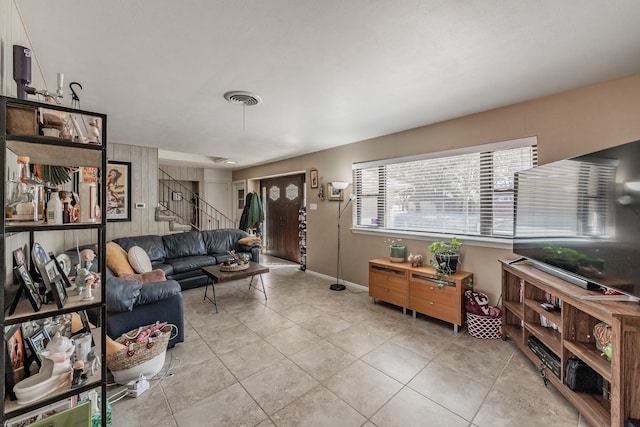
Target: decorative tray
<point>237,267</point>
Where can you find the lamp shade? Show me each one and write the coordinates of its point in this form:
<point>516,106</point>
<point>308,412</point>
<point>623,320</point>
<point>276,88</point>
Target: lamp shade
<point>339,185</point>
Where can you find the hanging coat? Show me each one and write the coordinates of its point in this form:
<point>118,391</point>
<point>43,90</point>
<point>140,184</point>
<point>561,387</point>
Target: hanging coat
<point>245,213</point>
<point>256,215</point>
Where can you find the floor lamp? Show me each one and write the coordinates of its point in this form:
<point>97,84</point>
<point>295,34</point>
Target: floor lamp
<point>339,185</point>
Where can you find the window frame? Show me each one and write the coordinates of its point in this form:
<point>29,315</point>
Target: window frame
<point>487,187</point>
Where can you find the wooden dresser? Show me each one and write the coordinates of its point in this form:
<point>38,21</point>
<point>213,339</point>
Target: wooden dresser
<point>418,289</point>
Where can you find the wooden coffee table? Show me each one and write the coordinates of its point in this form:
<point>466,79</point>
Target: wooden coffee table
<point>218,276</point>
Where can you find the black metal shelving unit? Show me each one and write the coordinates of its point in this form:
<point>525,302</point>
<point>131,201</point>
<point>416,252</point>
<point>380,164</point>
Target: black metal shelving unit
<point>55,151</point>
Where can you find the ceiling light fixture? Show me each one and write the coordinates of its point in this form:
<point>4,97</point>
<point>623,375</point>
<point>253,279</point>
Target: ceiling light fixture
<point>245,98</point>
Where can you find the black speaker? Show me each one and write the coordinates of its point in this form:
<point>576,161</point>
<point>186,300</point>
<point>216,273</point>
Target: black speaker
<point>581,377</point>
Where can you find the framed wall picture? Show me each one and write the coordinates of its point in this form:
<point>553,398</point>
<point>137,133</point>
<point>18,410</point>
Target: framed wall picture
<point>53,283</point>
<point>15,358</point>
<point>118,191</point>
<point>28,286</point>
<point>37,342</point>
<point>313,178</point>
<point>334,193</point>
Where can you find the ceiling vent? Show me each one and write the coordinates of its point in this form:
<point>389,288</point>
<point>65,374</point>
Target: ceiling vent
<point>244,98</point>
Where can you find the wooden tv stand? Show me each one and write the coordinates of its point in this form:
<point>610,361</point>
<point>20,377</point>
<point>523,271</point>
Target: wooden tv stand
<point>524,288</point>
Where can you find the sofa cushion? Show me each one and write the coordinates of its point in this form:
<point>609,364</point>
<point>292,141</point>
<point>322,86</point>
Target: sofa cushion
<point>183,245</point>
<point>147,277</point>
<point>121,294</point>
<point>117,259</point>
<point>249,241</point>
<point>139,260</point>
<point>223,240</point>
<point>152,245</point>
<point>190,263</point>
<point>158,291</point>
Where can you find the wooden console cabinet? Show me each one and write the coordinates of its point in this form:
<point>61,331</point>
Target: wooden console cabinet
<point>524,288</point>
<point>418,289</point>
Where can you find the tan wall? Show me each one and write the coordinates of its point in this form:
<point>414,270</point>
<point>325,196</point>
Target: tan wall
<point>567,124</point>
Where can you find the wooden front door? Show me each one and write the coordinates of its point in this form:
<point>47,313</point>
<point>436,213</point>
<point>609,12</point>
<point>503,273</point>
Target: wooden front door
<point>284,196</point>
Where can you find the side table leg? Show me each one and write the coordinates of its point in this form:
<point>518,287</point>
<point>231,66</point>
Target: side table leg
<point>455,328</point>
<point>262,283</point>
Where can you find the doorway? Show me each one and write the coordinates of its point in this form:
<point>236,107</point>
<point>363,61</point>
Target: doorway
<point>284,196</point>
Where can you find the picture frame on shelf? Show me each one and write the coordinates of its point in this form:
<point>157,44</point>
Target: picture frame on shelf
<point>39,414</point>
<point>334,194</point>
<point>15,359</point>
<point>118,184</point>
<point>53,283</point>
<point>61,268</point>
<point>313,178</point>
<point>28,287</point>
<point>38,342</point>
<point>39,257</point>
<point>19,257</point>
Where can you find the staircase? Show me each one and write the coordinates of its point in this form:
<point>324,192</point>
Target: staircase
<point>184,209</point>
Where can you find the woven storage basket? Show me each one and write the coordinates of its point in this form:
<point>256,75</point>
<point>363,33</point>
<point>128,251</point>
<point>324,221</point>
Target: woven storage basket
<point>238,267</point>
<point>140,352</point>
<point>485,327</point>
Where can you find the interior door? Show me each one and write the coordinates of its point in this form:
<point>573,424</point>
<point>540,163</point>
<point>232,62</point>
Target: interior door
<point>284,197</point>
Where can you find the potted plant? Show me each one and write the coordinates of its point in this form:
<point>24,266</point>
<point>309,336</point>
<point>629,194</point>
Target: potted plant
<point>396,251</point>
<point>446,256</point>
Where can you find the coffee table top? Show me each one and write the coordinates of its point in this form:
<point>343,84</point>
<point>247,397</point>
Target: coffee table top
<point>218,276</point>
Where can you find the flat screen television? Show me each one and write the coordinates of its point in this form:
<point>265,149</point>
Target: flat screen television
<point>580,218</point>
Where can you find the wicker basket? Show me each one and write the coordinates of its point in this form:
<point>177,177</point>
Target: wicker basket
<point>238,267</point>
<point>139,352</point>
<point>485,327</point>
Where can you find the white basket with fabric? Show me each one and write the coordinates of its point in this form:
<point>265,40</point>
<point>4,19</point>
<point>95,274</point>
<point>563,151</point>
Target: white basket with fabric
<point>485,327</point>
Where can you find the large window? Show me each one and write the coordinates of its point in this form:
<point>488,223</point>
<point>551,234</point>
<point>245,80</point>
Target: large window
<point>462,192</point>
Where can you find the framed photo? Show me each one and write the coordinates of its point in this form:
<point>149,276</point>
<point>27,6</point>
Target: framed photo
<point>15,358</point>
<point>313,178</point>
<point>334,194</point>
<point>28,286</point>
<point>38,342</point>
<point>18,257</point>
<point>53,282</point>
<point>62,269</point>
<point>118,191</point>
<point>39,256</point>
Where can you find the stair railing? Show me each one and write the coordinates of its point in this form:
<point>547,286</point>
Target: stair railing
<point>190,209</point>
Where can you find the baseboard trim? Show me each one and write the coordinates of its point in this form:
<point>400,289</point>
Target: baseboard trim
<point>332,279</point>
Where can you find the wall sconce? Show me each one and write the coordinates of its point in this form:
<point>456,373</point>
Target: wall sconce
<point>630,193</point>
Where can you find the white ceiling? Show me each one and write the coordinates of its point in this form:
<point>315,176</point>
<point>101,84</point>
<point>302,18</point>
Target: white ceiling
<point>329,72</point>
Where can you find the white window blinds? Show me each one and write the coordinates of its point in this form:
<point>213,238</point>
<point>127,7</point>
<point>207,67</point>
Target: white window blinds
<point>466,192</point>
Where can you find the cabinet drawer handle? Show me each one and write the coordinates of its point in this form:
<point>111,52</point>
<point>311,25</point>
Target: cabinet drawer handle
<point>431,287</point>
<point>386,290</point>
<point>431,302</point>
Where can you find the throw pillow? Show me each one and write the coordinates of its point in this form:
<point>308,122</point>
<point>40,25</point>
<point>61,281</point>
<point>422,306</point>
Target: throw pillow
<point>139,260</point>
<point>117,259</point>
<point>152,276</point>
<point>249,240</point>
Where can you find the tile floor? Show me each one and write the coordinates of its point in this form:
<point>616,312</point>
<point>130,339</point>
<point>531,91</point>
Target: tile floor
<point>309,356</point>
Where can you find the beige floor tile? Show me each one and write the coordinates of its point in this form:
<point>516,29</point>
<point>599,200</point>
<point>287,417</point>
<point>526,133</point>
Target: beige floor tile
<point>250,359</point>
<point>325,326</point>
<point>269,325</point>
<point>299,312</point>
<point>229,339</point>
<point>364,388</point>
<point>396,361</point>
<point>193,383</point>
<point>318,408</point>
<point>481,366</point>
<point>451,389</point>
<point>422,342</point>
<point>278,385</point>
<point>291,340</point>
<point>501,410</point>
<point>229,407</point>
<point>322,360</point>
<point>357,340</point>
<point>209,321</point>
<point>409,408</point>
<point>151,408</point>
<point>186,354</point>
